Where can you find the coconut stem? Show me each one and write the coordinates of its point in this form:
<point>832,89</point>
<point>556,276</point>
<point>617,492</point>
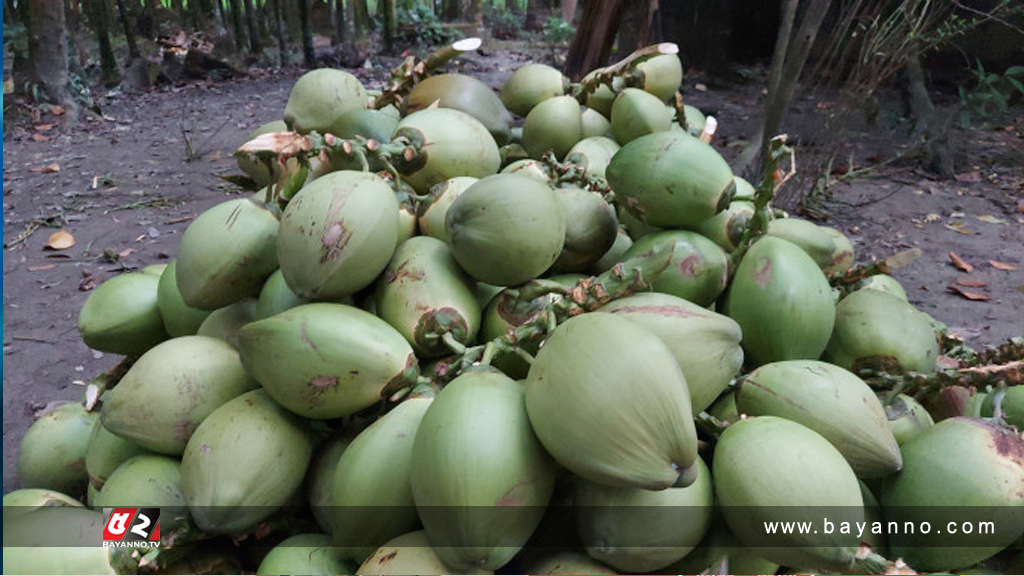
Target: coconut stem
<point>624,68</point>
<point>589,294</point>
<point>412,71</point>
<point>454,345</point>
<point>575,175</point>
<point>771,180</point>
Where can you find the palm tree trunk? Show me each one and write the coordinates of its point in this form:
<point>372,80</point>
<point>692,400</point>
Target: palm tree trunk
<point>308,54</point>
<point>129,31</point>
<point>109,73</point>
<point>254,35</point>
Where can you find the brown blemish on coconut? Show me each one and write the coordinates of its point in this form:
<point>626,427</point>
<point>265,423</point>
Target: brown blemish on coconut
<point>763,276</point>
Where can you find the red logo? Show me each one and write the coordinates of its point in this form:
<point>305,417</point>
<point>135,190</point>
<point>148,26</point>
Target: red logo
<point>135,525</point>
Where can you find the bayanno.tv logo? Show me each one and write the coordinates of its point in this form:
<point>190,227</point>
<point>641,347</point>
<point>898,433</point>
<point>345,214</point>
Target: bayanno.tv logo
<point>131,527</point>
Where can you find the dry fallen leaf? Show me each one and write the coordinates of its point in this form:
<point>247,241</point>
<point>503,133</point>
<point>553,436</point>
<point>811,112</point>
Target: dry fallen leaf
<point>60,240</point>
<point>965,231</point>
<point>975,296</point>
<point>1002,265</point>
<point>960,263</point>
<point>971,282</point>
<point>969,177</point>
<point>57,110</point>
<point>44,127</point>
<point>48,169</point>
<point>991,219</point>
<point>40,137</point>
<point>42,267</point>
<point>932,217</point>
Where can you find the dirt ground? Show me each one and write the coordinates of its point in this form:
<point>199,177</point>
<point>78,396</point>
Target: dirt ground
<point>124,187</point>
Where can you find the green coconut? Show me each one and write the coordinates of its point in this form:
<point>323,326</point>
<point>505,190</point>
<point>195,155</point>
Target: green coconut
<point>276,297</point>
<point>782,301</point>
<point>530,168</point>
<point>567,563</point>
<point>507,311</point>
<point>407,554</point>
<point>768,469</point>
<point>224,323</point>
<point>614,254</point>
<point>243,462</point>
<point>321,481</point>
<point>305,554</point>
<point>843,257</point>
<point>603,97</point>
<point>831,401</point>
<point>506,229</point>
<point>609,402</point>
<point>698,270</point>
<point>593,154</point>
<point>876,327</point>
<point>662,75</point>
<point>1011,406</point>
<point>432,212</point>
<point>337,235</point>
<point>24,500</point>
<point>726,228</point>
<point>179,318</point>
<point>530,85</point>
<point>255,169</point>
<point>371,490</point>
<point>480,478</point>
<point>720,549</point>
<point>957,475</point>
<point>695,120</point>
<point>406,217</point>
<point>907,418</point>
<point>590,229</point>
<point>105,452</point>
<point>424,295</point>
<point>52,452</point>
<point>148,481</point>
<point>671,179</point>
<point>595,125</point>
<point>369,124</point>
<point>883,283</point>
<point>319,97</point>
<point>467,94</point>
<point>171,389</point>
<point>556,124</point>
<point>636,113</point>
<point>705,344</point>
<point>636,530</point>
<point>327,360</point>
<point>122,315</point>
<point>61,540</point>
<point>450,143</point>
<point>227,253</point>
<point>827,246</point>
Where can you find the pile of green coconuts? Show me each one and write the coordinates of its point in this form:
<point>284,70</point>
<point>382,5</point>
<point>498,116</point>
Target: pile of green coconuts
<point>544,330</point>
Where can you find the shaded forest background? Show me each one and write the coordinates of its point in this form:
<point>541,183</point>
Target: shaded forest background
<point>62,51</point>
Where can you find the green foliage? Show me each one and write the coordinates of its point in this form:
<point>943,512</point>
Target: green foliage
<point>504,24</point>
<point>419,25</point>
<point>15,38</point>
<point>558,31</point>
<point>992,94</point>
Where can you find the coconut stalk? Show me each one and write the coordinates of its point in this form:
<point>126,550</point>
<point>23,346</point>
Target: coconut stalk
<point>624,68</point>
<point>771,180</point>
<point>411,71</point>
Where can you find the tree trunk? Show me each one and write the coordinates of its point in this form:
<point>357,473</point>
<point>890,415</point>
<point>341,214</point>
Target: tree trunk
<point>569,10</point>
<point>593,41</point>
<point>360,18</point>
<point>635,28</point>
<point>254,35</point>
<point>450,10</point>
<point>179,8</point>
<point>929,125</point>
<point>109,74</point>
<point>147,21</point>
<point>237,25</point>
<point>129,31</point>
<point>48,53</point>
<point>308,54</point>
<point>220,20</point>
<point>77,57</point>
<point>796,53</point>
<point>339,22</point>
<point>533,16</point>
<point>282,44</point>
<point>390,18</point>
